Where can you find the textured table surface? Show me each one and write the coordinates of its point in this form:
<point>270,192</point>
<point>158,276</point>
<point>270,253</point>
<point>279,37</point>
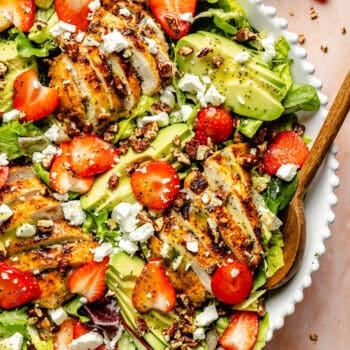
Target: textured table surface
<point>325,310</point>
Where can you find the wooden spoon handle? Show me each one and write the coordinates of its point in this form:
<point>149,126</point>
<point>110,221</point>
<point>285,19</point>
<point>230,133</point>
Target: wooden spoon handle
<point>326,136</point>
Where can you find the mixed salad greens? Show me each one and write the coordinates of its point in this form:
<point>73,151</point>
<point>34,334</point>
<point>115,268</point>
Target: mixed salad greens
<point>232,89</point>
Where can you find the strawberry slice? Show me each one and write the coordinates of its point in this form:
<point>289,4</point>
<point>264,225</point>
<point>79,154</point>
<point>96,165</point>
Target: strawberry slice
<point>64,336</point>
<point>155,184</point>
<point>171,15</point>
<point>20,12</point>
<point>213,122</point>
<point>91,155</point>
<point>242,332</point>
<point>35,100</point>
<point>153,289</point>
<point>4,174</point>
<point>89,280</point>
<point>287,148</point>
<point>75,12</point>
<point>62,179</point>
<point>16,287</point>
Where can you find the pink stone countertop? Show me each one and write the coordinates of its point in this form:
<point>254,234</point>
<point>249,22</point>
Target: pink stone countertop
<point>325,310</point>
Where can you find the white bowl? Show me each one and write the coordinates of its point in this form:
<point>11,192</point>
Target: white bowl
<point>320,197</point>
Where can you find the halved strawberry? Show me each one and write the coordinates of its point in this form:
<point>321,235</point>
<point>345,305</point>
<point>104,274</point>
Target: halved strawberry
<point>242,332</point>
<point>4,174</point>
<point>62,179</point>
<point>74,12</point>
<point>64,336</point>
<point>153,289</point>
<point>155,184</point>
<point>91,155</point>
<point>287,148</point>
<point>213,122</point>
<point>16,287</point>
<point>89,280</point>
<point>20,12</point>
<point>35,100</point>
<point>171,15</point>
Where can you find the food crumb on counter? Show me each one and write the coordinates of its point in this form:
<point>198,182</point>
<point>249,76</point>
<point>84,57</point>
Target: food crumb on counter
<point>301,39</point>
<point>313,13</point>
<point>313,336</point>
<point>291,13</point>
<point>324,48</point>
<point>343,30</point>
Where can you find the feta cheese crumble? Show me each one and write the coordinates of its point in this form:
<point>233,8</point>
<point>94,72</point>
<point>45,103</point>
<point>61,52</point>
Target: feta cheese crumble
<point>142,233</point>
<point>3,159</point>
<point>125,214</point>
<point>287,172</point>
<point>14,342</point>
<point>242,57</point>
<point>46,154</point>
<point>63,28</point>
<point>207,316</point>
<point>187,17</point>
<point>167,97</point>
<point>114,42</point>
<point>103,250</point>
<point>58,316</point>
<point>14,114</point>
<point>88,341</point>
<point>192,246</point>
<point>73,212</point>
<point>161,118</point>
<point>26,231</point>
<point>191,83</point>
<point>127,246</point>
<point>213,97</point>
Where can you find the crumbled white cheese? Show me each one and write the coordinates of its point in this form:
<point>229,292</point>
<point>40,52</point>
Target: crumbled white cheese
<point>114,42</point>
<point>88,341</point>
<point>62,28</point>
<point>166,250</point>
<point>14,114</point>
<point>3,159</point>
<point>192,246</point>
<point>80,37</point>
<point>47,153</point>
<point>127,246</point>
<point>269,49</point>
<point>61,197</point>
<point>199,334</point>
<point>26,230</point>
<point>94,5</point>
<point>124,12</point>
<point>55,134</point>
<point>103,250</point>
<point>12,343</point>
<point>142,233</point>
<point>73,212</point>
<point>184,113</point>
<point>242,57</point>
<point>125,214</point>
<point>187,17</point>
<point>167,97</point>
<point>213,97</point>
<point>90,41</point>
<point>191,83</point>
<point>207,316</point>
<point>58,316</point>
<point>287,172</point>
<point>151,45</point>
<point>268,218</point>
<point>161,118</point>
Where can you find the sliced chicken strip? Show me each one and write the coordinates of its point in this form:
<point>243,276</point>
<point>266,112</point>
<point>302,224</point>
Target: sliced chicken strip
<point>20,173</point>
<point>53,257</point>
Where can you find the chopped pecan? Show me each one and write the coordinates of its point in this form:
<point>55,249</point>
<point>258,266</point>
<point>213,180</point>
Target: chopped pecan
<point>244,34</point>
<point>173,23</point>
<point>185,50</point>
<point>199,183</point>
<point>191,148</point>
<point>182,158</point>
<point>3,70</point>
<point>217,61</point>
<point>141,326</point>
<point>113,182</point>
<point>204,52</point>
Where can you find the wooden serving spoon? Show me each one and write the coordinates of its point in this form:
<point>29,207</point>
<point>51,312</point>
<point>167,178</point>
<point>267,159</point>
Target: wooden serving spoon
<point>294,229</point>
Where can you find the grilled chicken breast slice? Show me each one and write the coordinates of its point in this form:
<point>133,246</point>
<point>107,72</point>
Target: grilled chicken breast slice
<point>61,232</point>
<point>17,173</point>
<point>22,190</point>
<point>54,257</point>
<point>225,175</point>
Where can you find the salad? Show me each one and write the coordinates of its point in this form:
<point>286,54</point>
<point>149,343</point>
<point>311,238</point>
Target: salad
<point>147,149</point>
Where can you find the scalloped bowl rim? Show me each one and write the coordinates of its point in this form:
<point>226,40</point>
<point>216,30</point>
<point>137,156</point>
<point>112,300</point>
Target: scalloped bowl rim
<point>320,197</point>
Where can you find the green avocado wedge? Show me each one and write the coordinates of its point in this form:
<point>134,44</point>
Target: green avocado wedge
<point>121,278</point>
<point>251,88</point>
<point>101,196</point>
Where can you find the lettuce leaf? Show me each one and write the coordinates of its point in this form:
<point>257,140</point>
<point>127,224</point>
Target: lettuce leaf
<point>38,343</point>
<point>13,321</point>
<point>11,132</point>
<point>274,253</point>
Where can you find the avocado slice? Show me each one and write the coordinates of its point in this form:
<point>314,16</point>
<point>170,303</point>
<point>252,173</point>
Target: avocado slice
<point>100,196</point>
<point>251,88</point>
<point>121,278</point>
<point>14,66</point>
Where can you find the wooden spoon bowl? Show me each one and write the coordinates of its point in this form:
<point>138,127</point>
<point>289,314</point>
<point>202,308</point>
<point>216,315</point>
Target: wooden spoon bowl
<point>294,228</point>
